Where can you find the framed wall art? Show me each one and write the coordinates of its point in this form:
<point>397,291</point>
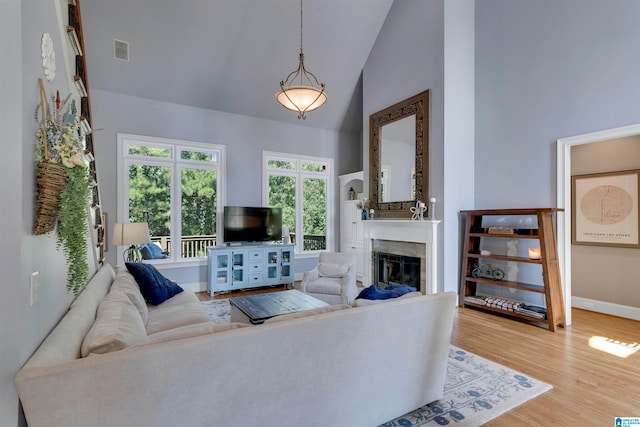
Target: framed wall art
<point>605,209</point>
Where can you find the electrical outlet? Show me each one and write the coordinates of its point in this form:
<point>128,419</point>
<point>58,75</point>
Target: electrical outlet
<point>587,304</point>
<point>33,288</point>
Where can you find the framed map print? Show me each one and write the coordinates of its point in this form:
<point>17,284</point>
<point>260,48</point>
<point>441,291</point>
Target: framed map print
<point>605,209</point>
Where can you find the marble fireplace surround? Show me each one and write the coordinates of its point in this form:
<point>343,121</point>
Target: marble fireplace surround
<point>403,237</point>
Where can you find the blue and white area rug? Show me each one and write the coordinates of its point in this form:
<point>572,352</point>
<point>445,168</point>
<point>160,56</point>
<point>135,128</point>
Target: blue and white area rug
<point>476,390</point>
<point>219,310</point>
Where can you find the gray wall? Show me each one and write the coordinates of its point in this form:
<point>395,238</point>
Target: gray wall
<point>244,137</point>
<point>429,45</point>
<point>23,327</point>
<point>546,70</point>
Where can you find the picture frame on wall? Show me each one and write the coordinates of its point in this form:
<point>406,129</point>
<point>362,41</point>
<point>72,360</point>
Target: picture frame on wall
<point>605,209</point>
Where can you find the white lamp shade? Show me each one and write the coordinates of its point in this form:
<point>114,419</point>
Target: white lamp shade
<point>301,98</point>
<point>130,233</point>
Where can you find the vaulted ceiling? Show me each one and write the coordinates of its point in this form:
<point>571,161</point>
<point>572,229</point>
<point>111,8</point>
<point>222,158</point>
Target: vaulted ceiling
<point>230,55</point>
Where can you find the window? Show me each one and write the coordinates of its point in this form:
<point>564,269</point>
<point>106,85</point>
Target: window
<point>175,187</point>
<point>302,187</point>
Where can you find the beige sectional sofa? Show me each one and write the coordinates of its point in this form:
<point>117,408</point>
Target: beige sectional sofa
<point>113,360</point>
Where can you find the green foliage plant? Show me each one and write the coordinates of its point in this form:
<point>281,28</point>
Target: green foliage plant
<point>59,141</point>
<point>73,228</point>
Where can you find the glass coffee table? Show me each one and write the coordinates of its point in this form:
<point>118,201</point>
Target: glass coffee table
<point>255,309</point>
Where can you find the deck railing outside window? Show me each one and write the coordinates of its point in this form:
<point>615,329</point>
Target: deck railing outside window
<point>196,246</point>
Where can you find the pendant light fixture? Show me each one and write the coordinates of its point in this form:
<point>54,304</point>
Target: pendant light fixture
<point>298,92</point>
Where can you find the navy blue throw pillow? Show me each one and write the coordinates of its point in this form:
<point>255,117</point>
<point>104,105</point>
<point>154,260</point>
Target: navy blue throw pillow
<point>391,291</point>
<point>155,288</point>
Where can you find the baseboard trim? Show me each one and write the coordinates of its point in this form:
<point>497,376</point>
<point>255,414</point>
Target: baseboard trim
<point>606,307</point>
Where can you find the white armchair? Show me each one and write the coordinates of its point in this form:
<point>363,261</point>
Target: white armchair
<point>333,280</point>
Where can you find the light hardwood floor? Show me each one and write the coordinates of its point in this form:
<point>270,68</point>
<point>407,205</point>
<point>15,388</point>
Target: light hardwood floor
<point>590,386</point>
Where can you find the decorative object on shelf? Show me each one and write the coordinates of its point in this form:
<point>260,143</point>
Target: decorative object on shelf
<point>80,87</point>
<point>485,252</point>
<point>372,214</point>
<point>286,236</point>
<point>74,40</point>
<point>417,211</point>
<point>363,205</point>
<point>62,183</point>
<point>489,271</point>
<point>131,234</point>
<point>606,211</point>
<point>305,96</point>
<point>501,230</point>
<point>432,208</point>
<point>534,253</point>
<point>48,57</point>
<point>352,194</point>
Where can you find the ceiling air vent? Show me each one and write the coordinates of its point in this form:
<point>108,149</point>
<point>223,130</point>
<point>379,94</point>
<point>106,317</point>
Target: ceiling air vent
<point>121,50</point>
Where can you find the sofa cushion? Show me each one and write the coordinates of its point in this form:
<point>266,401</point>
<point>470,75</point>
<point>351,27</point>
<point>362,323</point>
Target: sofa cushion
<point>332,270</point>
<point>391,291</point>
<point>124,282</point>
<point>154,286</point>
<point>362,302</point>
<point>307,313</point>
<point>189,331</point>
<point>181,310</point>
<point>118,325</point>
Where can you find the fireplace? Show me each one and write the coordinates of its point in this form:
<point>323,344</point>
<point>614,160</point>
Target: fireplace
<point>392,269</point>
<point>405,238</point>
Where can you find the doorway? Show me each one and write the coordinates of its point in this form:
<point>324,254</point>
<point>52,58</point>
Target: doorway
<point>564,197</point>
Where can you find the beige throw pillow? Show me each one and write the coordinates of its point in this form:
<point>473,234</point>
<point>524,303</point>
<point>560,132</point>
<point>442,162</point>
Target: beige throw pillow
<point>117,326</point>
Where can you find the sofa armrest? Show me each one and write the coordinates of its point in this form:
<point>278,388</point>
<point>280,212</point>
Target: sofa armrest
<point>307,276</point>
<point>348,288</point>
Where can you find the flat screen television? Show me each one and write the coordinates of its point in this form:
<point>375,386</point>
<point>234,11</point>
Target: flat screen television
<point>252,224</point>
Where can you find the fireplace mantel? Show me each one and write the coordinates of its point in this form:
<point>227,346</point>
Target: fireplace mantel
<point>403,230</point>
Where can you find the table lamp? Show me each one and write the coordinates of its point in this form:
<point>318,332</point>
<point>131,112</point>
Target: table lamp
<point>131,234</point>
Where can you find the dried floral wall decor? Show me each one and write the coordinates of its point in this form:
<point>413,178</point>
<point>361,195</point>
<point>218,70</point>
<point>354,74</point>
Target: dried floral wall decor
<point>62,183</point>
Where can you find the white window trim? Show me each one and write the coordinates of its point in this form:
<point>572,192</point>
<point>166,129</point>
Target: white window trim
<point>122,166</point>
<point>299,173</point>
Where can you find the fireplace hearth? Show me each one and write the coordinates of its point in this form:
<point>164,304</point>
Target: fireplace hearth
<point>393,269</point>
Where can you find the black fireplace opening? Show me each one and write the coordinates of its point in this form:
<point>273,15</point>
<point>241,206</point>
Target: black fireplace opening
<point>392,269</point>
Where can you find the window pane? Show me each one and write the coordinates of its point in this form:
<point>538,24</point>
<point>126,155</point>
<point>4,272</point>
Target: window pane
<point>203,156</point>
<point>150,200</point>
<point>314,167</point>
<point>198,211</point>
<point>282,194</point>
<point>281,164</point>
<point>141,150</point>
<point>315,214</point>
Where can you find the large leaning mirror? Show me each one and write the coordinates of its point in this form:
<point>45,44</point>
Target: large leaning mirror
<point>399,156</point>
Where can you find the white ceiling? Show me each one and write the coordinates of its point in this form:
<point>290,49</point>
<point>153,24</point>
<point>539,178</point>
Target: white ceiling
<point>230,55</point>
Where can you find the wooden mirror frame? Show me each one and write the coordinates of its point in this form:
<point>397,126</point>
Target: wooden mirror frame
<point>418,105</point>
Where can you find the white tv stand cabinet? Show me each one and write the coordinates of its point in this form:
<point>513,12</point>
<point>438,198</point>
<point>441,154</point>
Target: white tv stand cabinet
<point>249,266</point>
